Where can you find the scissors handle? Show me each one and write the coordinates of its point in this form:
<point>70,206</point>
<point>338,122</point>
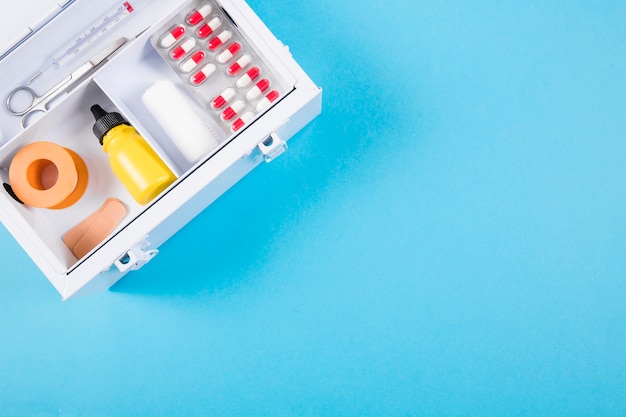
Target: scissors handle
<point>36,102</point>
<point>21,100</point>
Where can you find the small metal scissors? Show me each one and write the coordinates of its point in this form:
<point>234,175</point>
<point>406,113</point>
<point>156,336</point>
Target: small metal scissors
<point>24,101</point>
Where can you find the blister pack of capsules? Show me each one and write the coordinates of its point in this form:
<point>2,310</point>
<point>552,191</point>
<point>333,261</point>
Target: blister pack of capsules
<point>222,70</point>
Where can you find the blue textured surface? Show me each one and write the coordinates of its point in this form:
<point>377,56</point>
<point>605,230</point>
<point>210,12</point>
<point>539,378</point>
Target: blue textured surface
<point>447,238</point>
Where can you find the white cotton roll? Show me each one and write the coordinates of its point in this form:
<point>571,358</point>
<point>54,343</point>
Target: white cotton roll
<point>193,137</point>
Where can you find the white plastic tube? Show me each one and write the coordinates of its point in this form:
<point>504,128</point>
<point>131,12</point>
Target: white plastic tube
<point>193,137</point>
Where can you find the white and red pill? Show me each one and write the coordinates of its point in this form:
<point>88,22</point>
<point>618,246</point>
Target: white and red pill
<point>172,36</point>
<point>223,98</point>
<point>204,73</point>
<point>229,52</point>
<point>258,89</point>
<point>242,121</point>
<point>219,40</point>
<point>182,49</point>
<point>193,61</point>
<point>197,15</point>
<point>238,65</point>
<point>249,77</point>
<point>233,110</point>
<point>209,27</point>
<point>271,97</point>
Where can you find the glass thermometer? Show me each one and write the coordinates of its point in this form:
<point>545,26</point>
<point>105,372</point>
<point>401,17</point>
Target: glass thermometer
<point>85,38</point>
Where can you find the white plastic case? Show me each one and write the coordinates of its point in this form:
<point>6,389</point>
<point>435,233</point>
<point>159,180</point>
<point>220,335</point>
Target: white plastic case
<point>118,85</point>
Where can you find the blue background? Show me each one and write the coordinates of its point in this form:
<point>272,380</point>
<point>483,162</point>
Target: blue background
<point>448,238</point>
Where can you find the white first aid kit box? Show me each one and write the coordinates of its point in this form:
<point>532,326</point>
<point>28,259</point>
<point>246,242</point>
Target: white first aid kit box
<point>122,120</point>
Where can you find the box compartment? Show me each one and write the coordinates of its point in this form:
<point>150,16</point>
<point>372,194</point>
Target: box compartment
<point>68,125</point>
<point>127,78</point>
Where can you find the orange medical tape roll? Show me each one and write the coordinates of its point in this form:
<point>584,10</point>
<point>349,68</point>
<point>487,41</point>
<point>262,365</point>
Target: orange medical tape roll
<point>46,175</point>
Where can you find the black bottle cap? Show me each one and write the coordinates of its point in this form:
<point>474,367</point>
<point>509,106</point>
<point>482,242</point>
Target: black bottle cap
<point>105,121</point>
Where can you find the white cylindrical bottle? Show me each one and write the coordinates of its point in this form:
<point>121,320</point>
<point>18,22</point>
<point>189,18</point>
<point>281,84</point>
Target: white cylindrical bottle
<point>193,137</point>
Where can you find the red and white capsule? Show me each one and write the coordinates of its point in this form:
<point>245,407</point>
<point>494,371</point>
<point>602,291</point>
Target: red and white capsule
<point>182,49</point>
<point>193,61</point>
<point>242,121</point>
<point>223,98</point>
<point>219,40</point>
<point>258,89</point>
<point>271,97</point>
<point>233,110</point>
<point>197,15</point>
<point>211,26</point>
<point>249,77</point>
<point>229,52</point>
<point>238,65</point>
<point>204,73</point>
<point>172,36</point>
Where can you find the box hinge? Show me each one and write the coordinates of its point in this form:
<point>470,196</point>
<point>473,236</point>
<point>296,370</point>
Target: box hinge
<point>272,147</point>
<point>136,257</point>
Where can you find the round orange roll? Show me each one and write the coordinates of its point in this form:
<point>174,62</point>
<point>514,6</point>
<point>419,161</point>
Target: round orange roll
<point>46,175</point>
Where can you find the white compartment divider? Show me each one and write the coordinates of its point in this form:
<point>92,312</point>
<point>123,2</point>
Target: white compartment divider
<point>126,79</point>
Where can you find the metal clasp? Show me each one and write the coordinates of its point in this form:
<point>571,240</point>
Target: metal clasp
<point>272,147</point>
<point>136,257</point>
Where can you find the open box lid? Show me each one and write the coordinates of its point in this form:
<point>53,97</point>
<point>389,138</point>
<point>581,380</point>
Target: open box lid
<point>20,20</point>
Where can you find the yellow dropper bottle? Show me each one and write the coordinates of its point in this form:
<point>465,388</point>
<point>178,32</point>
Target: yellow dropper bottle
<point>132,159</point>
